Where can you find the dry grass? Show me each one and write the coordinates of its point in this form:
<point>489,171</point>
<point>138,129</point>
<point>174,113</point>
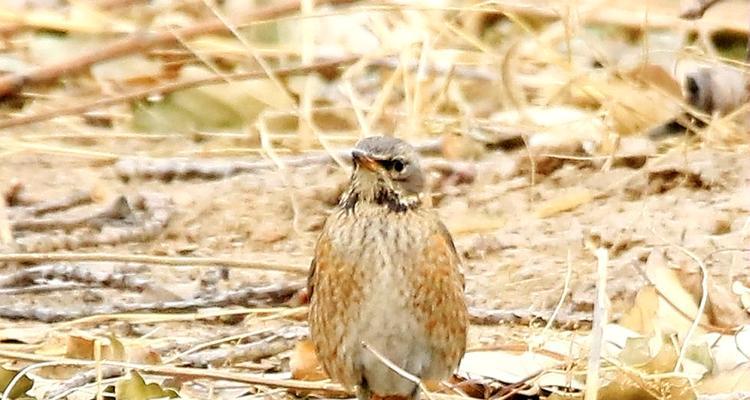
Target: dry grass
<point>540,111</point>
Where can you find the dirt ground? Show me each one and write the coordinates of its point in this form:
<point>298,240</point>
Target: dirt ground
<point>514,259</point>
<point>532,119</point>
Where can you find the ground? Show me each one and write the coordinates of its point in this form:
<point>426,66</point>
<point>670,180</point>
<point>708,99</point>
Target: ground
<point>535,126</point>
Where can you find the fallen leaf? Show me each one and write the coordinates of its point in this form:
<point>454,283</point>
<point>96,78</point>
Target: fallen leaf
<point>636,352</point>
<point>677,307</point>
<point>736,380</point>
<point>723,308</point>
<point>473,223</point>
<point>80,347</point>
<point>504,366</point>
<point>136,388</point>
<point>304,363</point>
<point>566,201</point>
<point>635,387</point>
<point>642,316</point>
<point>19,388</point>
<point>26,335</point>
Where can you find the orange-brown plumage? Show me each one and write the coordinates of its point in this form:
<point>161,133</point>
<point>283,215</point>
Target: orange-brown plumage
<point>386,273</point>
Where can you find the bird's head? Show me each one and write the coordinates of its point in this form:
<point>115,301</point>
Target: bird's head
<point>387,172</point>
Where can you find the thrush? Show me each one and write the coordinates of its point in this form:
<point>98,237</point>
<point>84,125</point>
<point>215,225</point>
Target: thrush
<point>386,274</point>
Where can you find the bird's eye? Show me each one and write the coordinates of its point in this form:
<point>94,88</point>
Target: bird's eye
<point>398,165</point>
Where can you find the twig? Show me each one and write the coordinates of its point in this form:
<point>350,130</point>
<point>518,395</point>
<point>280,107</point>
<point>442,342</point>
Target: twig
<point>13,193</point>
<point>167,169</point>
<point>75,199</point>
<point>697,8</point>
<point>139,42</point>
<point>252,379</point>
<point>701,307</point>
<point>118,209</point>
<point>13,382</point>
<point>155,260</point>
<point>597,329</point>
<point>6,228</point>
<point>156,207</point>
<point>78,273</point>
<point>573,321</point>
<point>262,333</point>
<point>80,379</point>
<point>564,294</point>
<point>42,287</point>
<point>246,296</point>
<point>169,88</point>
<point>265,347</point>
<point>632,18</point>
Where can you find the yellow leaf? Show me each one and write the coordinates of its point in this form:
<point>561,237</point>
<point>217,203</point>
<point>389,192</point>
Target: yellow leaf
<point>136,388</point>
<point>304,362</point>
<point>677,307</point>
<point>640,318</point>
<point>19,388</point>
<point>636,351</point>
<point>567,201</point>
<point>735,380</point>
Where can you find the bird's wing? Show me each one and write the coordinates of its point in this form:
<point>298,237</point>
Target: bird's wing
<point>322,250</point>
<point>311,278</point>
<point>446,236</point>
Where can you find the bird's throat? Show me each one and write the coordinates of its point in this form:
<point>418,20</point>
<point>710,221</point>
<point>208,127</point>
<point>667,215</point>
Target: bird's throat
<point>382,196</point>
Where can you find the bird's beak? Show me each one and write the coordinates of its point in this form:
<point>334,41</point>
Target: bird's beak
<point>365,161</point>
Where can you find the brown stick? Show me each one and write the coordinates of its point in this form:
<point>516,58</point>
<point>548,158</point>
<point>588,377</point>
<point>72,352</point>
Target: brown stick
<point>156,207</point>
<point>117,210</point>
<point>168,88</point>
<point>12,83</point>
<point>259,349</point>
<point>75,199</point>
<point>573,321</point>
<point>272,294</point>
<point>168,169</point>
<point>248,262</point>
<point>253,379</point>
<point>697,8</point>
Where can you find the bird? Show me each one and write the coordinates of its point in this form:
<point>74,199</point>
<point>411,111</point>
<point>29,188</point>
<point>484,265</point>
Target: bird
<point>386,280</point>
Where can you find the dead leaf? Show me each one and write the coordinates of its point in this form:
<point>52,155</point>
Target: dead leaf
<point>136,388</point>
<point>26,335</point>
<point>642,316</point>
<point>636,387</point>
<point>664,360</point>
<point>19,388</point>
<point>80,347</point>
<point>656,76</point>
<point>677,307</point>
<point>735,380</point>
<point>474,223</point>
<point>723,308</point>
<point>457,146</point>
<point>636,352</point>
<point>566,201</point>
<point>112,348</point>
<point>504,366</point>
<point>304,362</point>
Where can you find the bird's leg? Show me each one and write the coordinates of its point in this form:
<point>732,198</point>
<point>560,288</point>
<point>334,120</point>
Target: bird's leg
<point>363,391</point>
<point>414,395</point>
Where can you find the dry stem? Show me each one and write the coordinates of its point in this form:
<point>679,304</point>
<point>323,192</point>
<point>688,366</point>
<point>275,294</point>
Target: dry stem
<point>597,330</point>
<point>169,88</point>
<point>253,379</point>
<point>155,260</point>
<point>139,42</point>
